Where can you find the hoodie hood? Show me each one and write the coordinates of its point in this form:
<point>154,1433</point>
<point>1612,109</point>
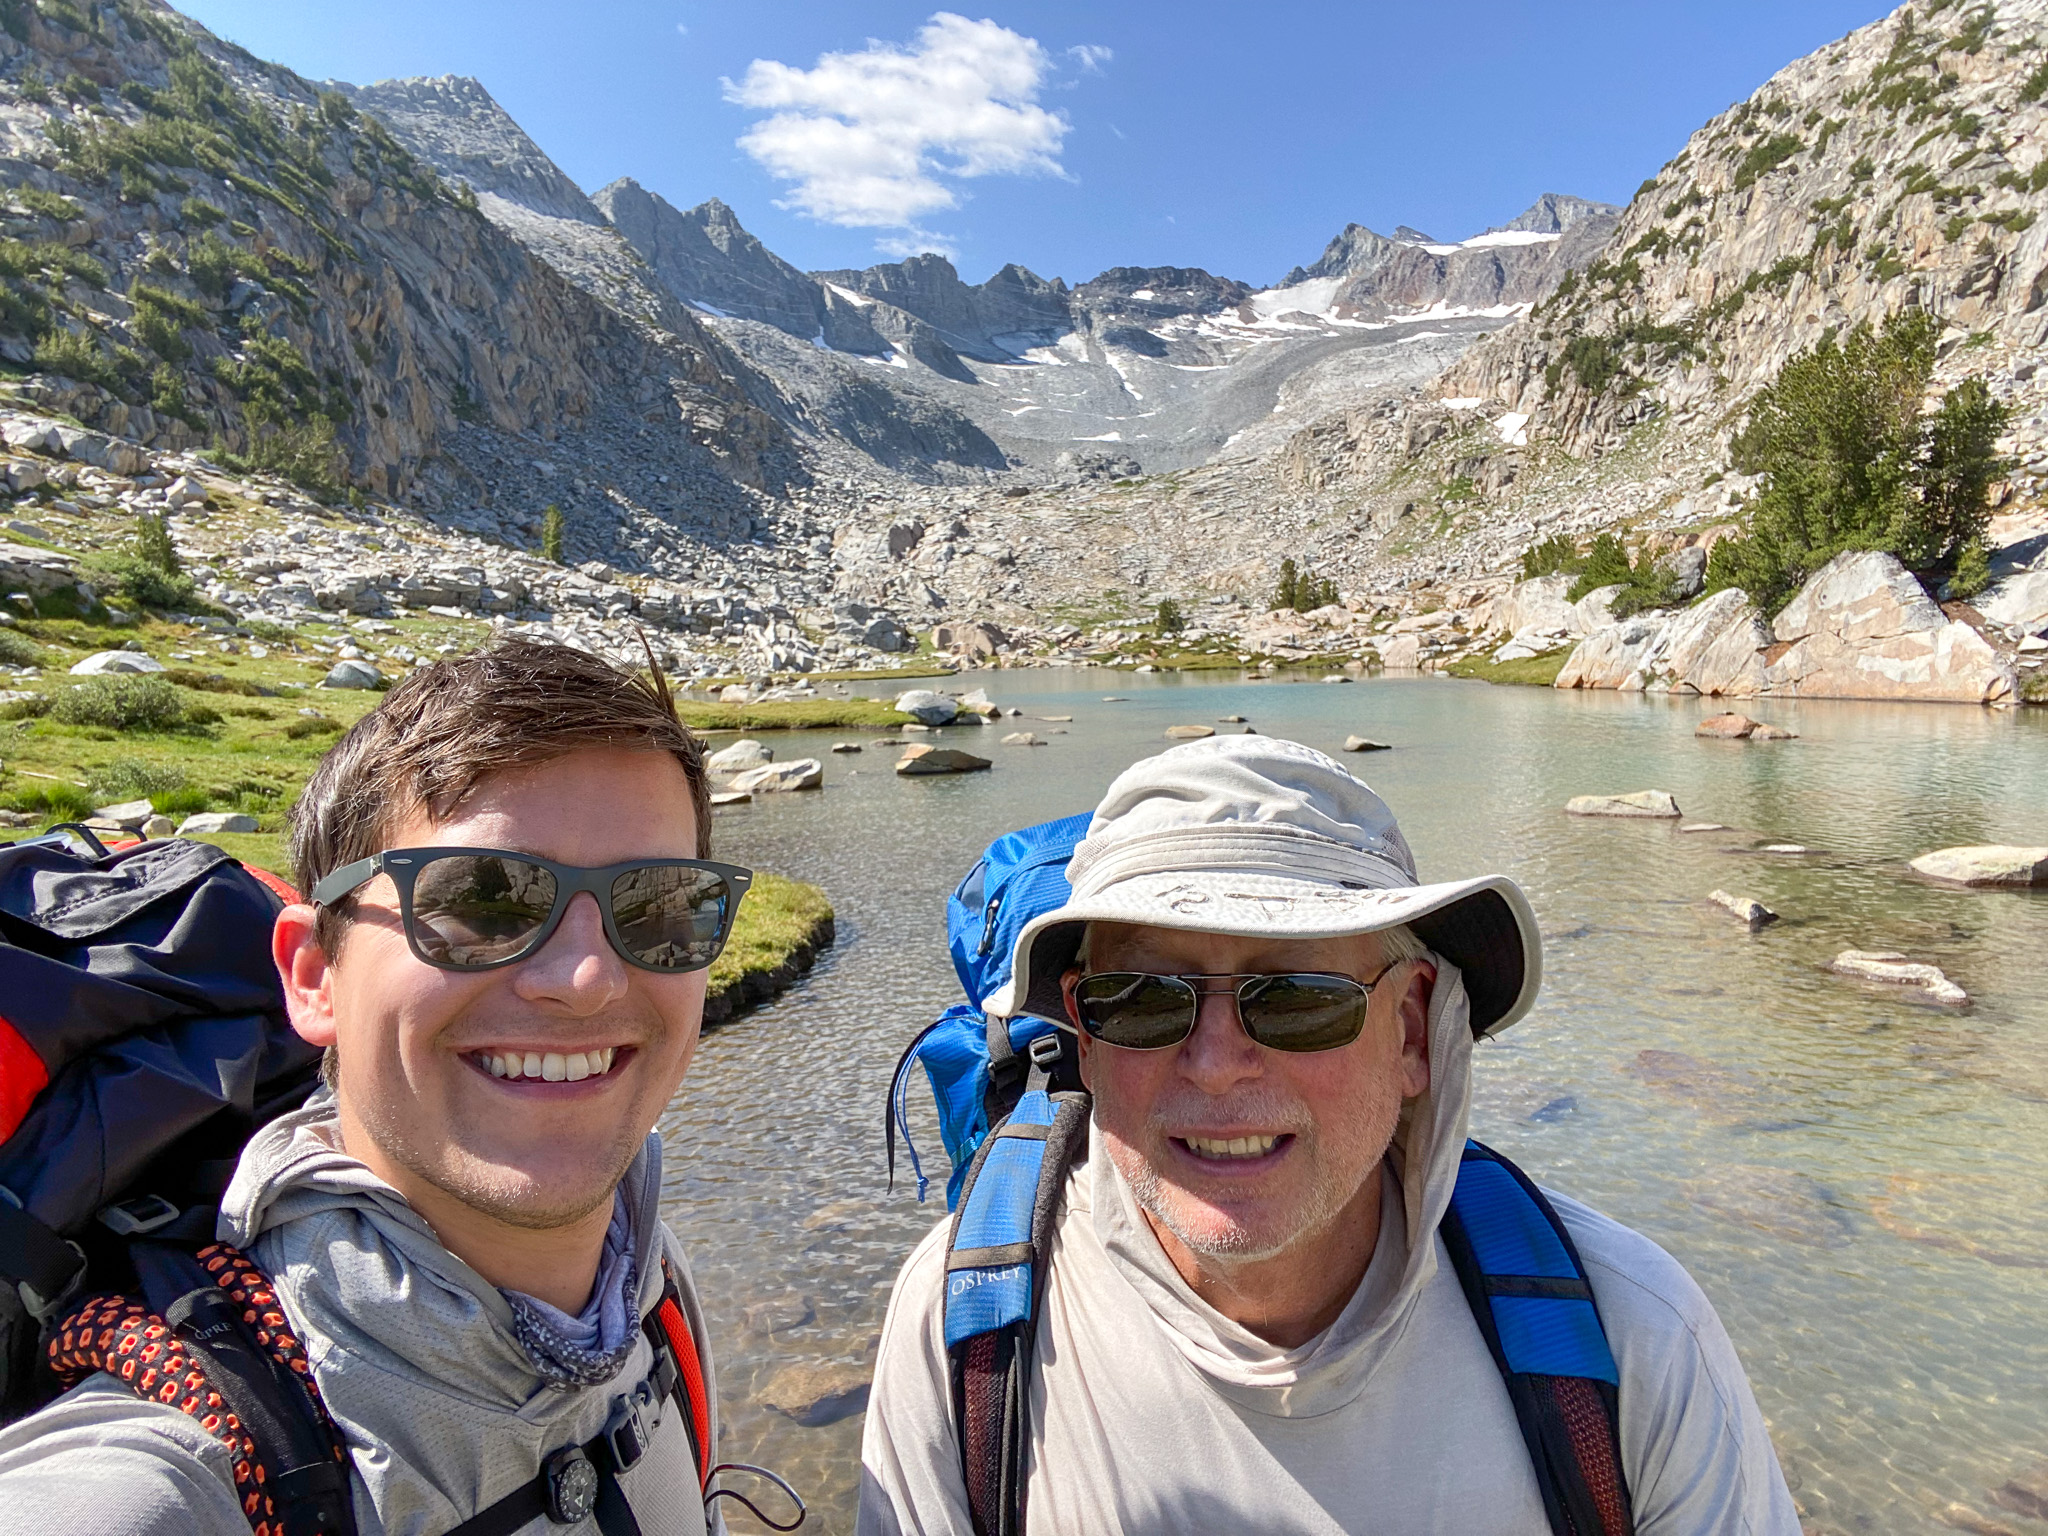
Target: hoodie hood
<point>339,1240</point>
<point>1420,1173</point>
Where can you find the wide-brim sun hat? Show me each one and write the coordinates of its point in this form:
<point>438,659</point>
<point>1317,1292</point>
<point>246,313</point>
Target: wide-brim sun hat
<point>1256,836</point>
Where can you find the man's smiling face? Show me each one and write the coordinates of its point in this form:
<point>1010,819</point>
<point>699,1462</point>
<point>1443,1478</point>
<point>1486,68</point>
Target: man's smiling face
<point>1238,1151</point>
<point>427,1092</point>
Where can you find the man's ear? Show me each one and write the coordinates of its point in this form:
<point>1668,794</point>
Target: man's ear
<point>307,973</point>
<point>1416,991</point>
<point>1082,1042</point>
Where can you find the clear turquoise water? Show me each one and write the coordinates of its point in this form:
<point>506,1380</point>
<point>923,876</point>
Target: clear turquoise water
<point>1855,1178</point>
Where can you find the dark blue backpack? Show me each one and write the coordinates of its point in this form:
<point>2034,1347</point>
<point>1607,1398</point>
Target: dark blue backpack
<point>1014,1121</point>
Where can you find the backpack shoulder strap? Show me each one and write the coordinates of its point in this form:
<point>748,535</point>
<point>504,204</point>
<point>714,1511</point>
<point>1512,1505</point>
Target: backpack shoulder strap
<point>1529,1293</point>
<point>995,1278</point>
<point>212,1341</point>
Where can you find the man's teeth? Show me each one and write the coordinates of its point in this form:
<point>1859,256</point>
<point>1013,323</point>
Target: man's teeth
<point>1237,1146</point>
<point>550,1066</point>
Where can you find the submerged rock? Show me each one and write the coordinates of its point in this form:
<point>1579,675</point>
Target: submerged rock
<point>1644,802</point>
<point>1365,744</point>
<point>1894,969</point>
<point>819,1393</point>
<point>1989,1216</point>
<point>1023,739</point>
<point>1989,864</point>
<point>1777,1201</point>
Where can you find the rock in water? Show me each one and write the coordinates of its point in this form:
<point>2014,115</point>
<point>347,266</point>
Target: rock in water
<point>352,674</point>
<point>1644,802</point>
<point>1765,732</point>
<point>1230,719</point>
<point>1023,739</point>
<point>112,663</point>
<point>817,1394</point>
<point>846,746</point>
<point>740,756</point>
<point>1894,969</point>
<point>1774,1200</point>
<point>1751,911</point>
<point>926,707</point>
<point>919,760</point>
<point>779,1314</point>
<point>211,822</point>
<point>1365,744</point>
<point>725,797</point>
<point>2025,1493</point>
<point>1728,727</point>
<point>770,778</point>
<point>1988,864</point>
<point>1189,732</point>
<point>1980,1214</point>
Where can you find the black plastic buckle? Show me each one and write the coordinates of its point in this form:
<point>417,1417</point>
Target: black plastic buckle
<point>143,1214</point>
<point>666,1373</point>
<point>625,1433</point>
<point>572,1485</point>
<point>1045,1051</point>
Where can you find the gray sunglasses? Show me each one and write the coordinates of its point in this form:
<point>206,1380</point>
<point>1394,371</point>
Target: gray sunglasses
<point>472,909</point>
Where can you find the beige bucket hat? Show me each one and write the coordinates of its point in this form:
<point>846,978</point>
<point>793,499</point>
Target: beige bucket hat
<point>1259,836</point>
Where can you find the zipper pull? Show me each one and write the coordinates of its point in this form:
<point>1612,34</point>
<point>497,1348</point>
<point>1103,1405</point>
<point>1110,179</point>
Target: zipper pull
<point>988,927</point>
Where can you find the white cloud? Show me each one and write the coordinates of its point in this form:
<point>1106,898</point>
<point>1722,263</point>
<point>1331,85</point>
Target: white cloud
<point>871,138</point>
<point>1091,56</point>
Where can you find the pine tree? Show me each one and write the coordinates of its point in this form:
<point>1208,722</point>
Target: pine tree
<point>1289,589</point>
<point>551,529</point>
<point>1850,461</point>
<point>1170,619</point>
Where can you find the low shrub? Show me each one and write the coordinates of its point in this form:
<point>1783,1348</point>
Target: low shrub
<point>54,802</point>
<point>1550,557</point>
<point>18,650</point>
<point>137,778</point>
<point>124,704</point>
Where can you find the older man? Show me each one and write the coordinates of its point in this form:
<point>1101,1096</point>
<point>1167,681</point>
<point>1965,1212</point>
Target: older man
<point>1250,1319</point>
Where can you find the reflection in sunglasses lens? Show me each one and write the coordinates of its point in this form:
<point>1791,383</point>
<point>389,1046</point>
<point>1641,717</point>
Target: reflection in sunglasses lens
<point>476,909</point>
<point>1134,1010</point>
<point>671,916</point>
<point>1303,1013</point>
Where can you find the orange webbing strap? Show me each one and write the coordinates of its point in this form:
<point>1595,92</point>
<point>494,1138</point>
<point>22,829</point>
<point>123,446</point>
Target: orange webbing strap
<point>121,1336</point>
<point>279,887</point>
<point>689,1371</point>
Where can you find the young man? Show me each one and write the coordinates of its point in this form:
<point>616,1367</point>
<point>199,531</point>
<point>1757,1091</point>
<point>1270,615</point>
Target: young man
<point>1250,1320</point>
<point>503,954</point>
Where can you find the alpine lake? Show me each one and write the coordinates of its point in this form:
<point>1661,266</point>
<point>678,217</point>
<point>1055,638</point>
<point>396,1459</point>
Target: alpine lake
<point>1852,1174</point>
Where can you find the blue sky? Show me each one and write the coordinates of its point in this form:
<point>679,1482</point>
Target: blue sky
<point>1238,138</point>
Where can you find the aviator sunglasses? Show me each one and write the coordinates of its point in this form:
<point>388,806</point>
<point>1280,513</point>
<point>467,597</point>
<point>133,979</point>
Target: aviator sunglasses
<point>470,909</point>
<point>1290,1011</point>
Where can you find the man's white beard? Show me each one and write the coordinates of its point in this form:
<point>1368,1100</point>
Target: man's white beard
<point>1232,1243</point>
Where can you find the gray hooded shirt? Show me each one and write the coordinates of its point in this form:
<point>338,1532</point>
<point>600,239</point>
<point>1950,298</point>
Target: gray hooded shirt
<point>1153,1412</point>
<point>447,1393</point>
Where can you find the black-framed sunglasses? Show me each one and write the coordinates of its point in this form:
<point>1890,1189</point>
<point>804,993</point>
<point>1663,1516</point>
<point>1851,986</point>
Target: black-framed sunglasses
<point>470,909</point>
<point>1286,1011</point>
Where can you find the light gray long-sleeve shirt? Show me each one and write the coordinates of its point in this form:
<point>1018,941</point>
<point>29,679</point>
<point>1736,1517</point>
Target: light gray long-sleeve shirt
<point>416,1356</point>
<point>1152,1412</point>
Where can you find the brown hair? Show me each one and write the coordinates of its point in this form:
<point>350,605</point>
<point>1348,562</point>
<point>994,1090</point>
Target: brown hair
<point>447,727</point>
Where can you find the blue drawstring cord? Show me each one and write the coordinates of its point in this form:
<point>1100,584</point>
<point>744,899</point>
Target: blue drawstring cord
<point>902,1120</point>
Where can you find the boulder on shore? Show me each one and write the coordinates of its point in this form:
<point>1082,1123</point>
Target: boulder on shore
<point>1894,969</point>
<point>352,674</point>
<point>771,778</point>
<point>921,759</point>
<point>1864,628</point>
<point>1644,802</point>
<point>208,823</point>
<point>927,707</point>
<point>114,663</point>
<point>129,815</point>
<point>740,756</point>
<point>1990,864</point>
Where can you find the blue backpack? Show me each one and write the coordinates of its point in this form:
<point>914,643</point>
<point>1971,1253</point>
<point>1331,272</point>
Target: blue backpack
<point>1014,1121</point>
